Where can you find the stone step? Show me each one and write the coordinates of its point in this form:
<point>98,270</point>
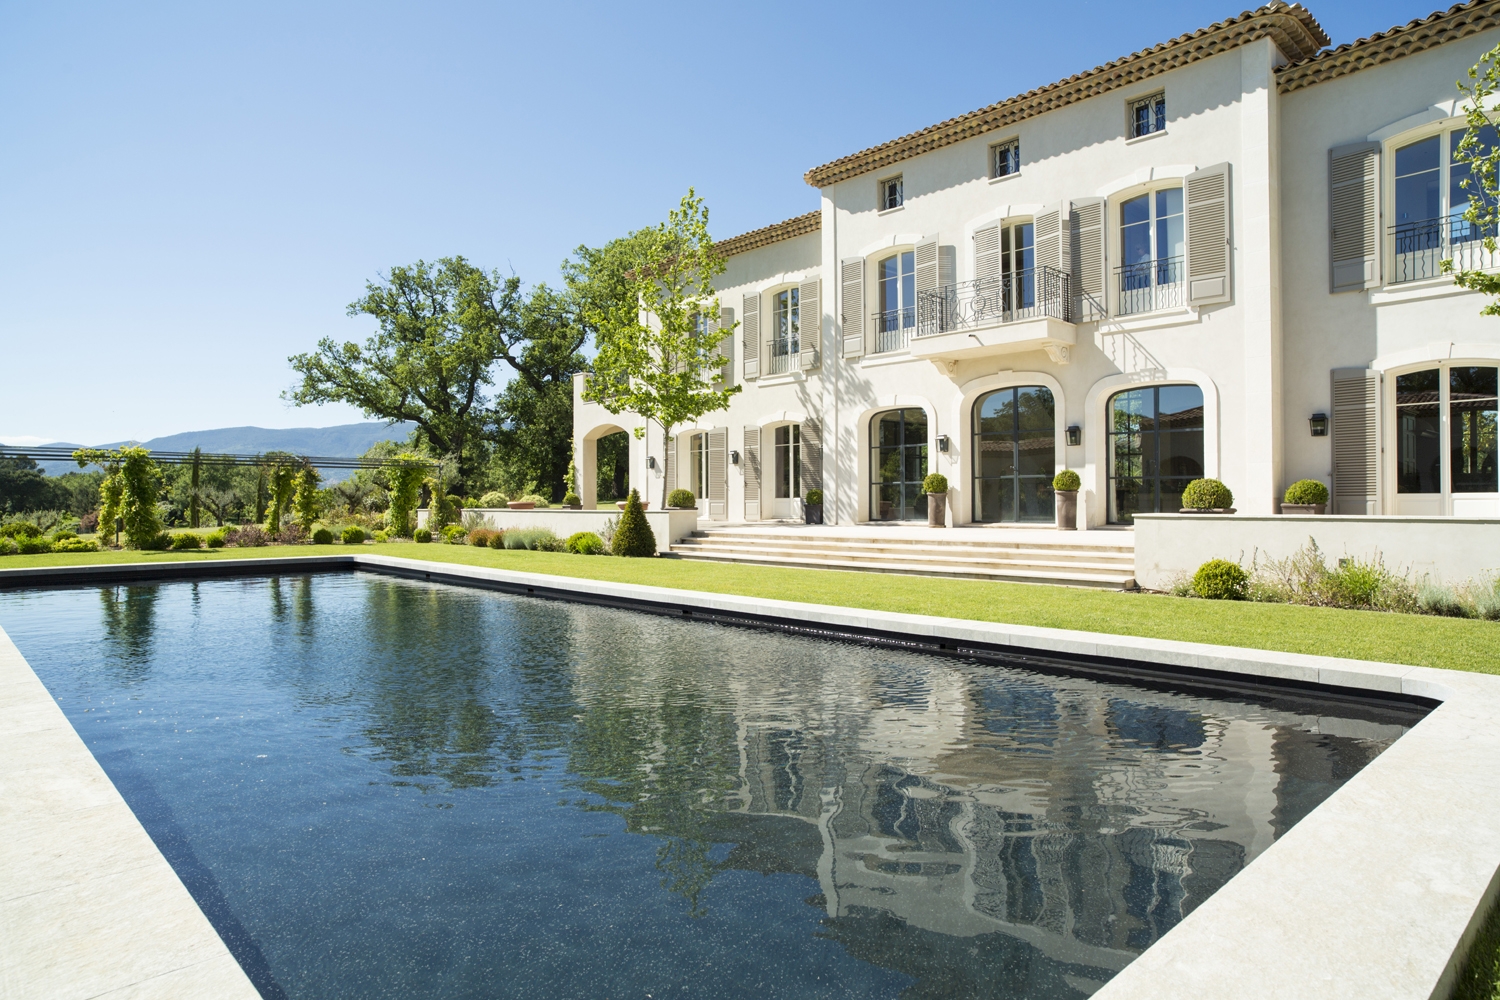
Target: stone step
<point>968,542</point>
<point>860,548</point>
<point>1109,580</point>
<point>1040,561</point>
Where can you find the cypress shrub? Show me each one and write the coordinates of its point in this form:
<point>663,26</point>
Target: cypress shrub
<point>634,536</point>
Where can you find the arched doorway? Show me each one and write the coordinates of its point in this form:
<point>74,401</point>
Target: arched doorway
<point>898,463</point>
<point>1015,446</point>
<point>1155,449</point>
<point>612,465</point>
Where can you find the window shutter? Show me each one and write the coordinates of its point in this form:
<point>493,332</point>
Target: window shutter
<point>1354,217</point>
<point>927,265</point>
<point>812,456</point>
<point>1086,233</point>
<point>726,346</point>
<point>750,337</point>
<point>669,464</point>
<point>752,473</point>
<point>810,311</point>
<point>1047,237</point>
<point>987,254</point>
<point>1208,251</point>
<point>1356,441</point>
<point>718,470</point>
<point>852,301</point>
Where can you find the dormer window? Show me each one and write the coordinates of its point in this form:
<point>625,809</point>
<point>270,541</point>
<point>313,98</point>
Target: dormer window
<point>890,193</point>
<point>1148,115</point>
<point>1005,158</point>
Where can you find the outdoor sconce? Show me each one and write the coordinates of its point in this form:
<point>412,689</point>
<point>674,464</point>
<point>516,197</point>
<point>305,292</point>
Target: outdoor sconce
<point>650,461</point>
<point>942,442</point>
<point>1318,424</point>
<point>734,458</point>
<point>1075,436</point>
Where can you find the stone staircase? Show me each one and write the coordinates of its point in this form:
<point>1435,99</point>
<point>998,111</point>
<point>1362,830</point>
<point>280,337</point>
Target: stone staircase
<point>1106,560</point>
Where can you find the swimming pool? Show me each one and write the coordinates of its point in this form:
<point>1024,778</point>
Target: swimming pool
<point>384,788</point>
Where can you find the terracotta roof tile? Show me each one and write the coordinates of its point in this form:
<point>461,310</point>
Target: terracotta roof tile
<point>812,222</point>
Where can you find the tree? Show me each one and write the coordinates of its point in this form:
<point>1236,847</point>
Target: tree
<point>306,501</point>
<point>1481,155</point>
<point>130,491</point>
<point>647,295</point>
<point>406,487</point>
<point>634,536</point>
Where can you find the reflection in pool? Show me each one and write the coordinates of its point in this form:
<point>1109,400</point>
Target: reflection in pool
<point>380,788</point>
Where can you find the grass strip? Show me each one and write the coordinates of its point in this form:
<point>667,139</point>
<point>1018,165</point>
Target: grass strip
<point>1420,640</point>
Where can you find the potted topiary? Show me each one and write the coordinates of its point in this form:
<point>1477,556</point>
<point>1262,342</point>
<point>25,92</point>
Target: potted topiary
<point>1305,496</point>
<point>812,507</point>
<point>572,501</point>
<point>936,488</point>
<point>1065,485</point>
<point>1207,496</point>
<point>682,500</point>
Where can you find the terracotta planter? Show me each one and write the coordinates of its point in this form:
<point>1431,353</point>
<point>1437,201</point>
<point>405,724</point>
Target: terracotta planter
<point>1303,508</point>
<point>1067,510</point>
<point>937,509</point>
<point>1206,510</point>
<point>521,504</point>
<point>645,504</point>
<point>812,513</point>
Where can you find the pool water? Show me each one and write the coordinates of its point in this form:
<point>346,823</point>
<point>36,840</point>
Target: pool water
<point>384,788</point>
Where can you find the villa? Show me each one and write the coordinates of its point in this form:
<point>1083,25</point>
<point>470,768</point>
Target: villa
<point>1219,256</point>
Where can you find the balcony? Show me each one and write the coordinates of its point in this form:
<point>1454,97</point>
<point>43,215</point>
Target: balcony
<point>1151,286</point>
<point>1028,310</point>
<point>893,329</point>
<point>1418,249</point>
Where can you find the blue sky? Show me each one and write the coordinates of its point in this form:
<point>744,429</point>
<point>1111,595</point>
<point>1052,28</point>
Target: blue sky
<point>189,194</point>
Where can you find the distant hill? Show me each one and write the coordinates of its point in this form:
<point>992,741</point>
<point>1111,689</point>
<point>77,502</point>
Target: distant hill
<point>344,441</point>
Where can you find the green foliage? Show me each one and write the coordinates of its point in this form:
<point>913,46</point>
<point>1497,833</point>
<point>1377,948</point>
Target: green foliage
<point>935,482</point>
<point>1480,978</point>
<point>75,545</point>
<point>1221,580</point>
<point>644,294</point>
<point>453,533</point>
<point>612,460</point>
<point>682,498</point>
<point>282,480</point>
<point>8,546</point>
<point>1066,481</point>
<point>307,503</point>
<point>381,536</point>
<point>19,529</point>
<point>1207,494</point>
<point>215,539</point>
<point>535,539</point>
<point>493,500</point>
<point>585,543</point>
<point>24,487</point>
<point>814,497</point>
<point>634,537</point>
<point>30,545</point>
<point>160,543</point>
<point>1306,491</point>
<point>130,490</point>
<point>422,535</point>
<point>1480,188</point>
<point>497,540</point>
<point>571,499</point>
<point>186,540</point>
<point>441,510</point>
<point>322,537</point>
<point>406,487</point>
<point>352,534</point>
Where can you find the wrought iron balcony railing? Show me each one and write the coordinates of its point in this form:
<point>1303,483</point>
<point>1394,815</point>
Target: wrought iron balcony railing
<point>1151,285</point>
<point>781,361</point>
<point>893,328</point>
<point>1419,248</point>
<point>1009,298</point>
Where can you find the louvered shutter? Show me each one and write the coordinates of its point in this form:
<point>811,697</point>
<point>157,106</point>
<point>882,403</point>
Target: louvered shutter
<point>750,337</point>
<point>669,464</point>
<point>718,470</point>
<point>1354,217</point>
<point>1047,235</point>
<point>1356,441</point>
<point>1086,233</point>
<point>810,321</point>
<point>926,259</point>
<point>726,346</point>
<point>1208,249</point>
<point>852,306</point>
<point>987,254</point>
<point>752,473</point>
<point>812,456</point>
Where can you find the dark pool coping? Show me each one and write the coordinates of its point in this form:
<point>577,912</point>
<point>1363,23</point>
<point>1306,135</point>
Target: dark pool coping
<point>1375,895</point>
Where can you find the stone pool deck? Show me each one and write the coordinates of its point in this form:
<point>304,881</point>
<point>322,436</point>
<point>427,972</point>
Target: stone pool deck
<point>1375,895</point>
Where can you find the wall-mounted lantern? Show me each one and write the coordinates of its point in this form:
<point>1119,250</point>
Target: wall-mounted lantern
<point>1318,424</point>
<point>1075,436</point>
<point>734,458</point>
<point>650,461</point>
<point>942,442</point>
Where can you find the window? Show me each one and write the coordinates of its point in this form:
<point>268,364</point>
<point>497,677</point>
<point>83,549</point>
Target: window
<point>1018,266</point>
<point>788,461</point>
<point>786,315</point>
<point>897,277</point>
<point>1005,158</point>
<point>1015,438</point>
<point>1151,246</point>
<point>1430,203</point>
<point>898,464</point>
<point>1148,115</point>
<point>890,193</point>
<point>698,465</point>
<point>1156,449</point>
<point>1467,394</point>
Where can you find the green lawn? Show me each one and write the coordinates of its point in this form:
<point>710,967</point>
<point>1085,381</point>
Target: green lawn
<point>1457,644</point>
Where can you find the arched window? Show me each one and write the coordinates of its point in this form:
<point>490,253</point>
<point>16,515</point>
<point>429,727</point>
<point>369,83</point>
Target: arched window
<point>1015,443</point>
<point>1155,449</point>
<point>898,464</point>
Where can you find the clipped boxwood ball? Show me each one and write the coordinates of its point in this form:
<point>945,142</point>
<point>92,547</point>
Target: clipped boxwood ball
<point>1306,491</point>
<point>1207,494</point>
<point>681,498</point>
<point>422,535</point>
<point>1066,481</point>
<point>814,497</point>
<point>935,482</point>
<point>1221,580</point>
<point>322,537</point>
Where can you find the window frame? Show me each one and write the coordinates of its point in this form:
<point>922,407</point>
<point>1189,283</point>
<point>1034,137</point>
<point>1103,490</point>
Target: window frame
<point>1161,301</point>
<point>996,148</point>
<point>1389,239</point>
<point>882,190</point>
<point>1391,418</point>
<point>1130,117</point>
<point>907,309</point>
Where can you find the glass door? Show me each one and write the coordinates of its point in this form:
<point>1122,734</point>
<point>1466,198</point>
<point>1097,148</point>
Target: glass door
<point>898,464</point>
<point>1156,449</point>
<point>1015,444</point>
<point>1446,441</point>
<point>787,471</point>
